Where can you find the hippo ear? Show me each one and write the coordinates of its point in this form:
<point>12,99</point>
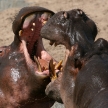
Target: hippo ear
<point>66,15</point>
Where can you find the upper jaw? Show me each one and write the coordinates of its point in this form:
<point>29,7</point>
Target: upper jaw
<point>23,13</point>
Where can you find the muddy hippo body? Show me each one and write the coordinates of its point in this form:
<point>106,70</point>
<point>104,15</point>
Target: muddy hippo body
<point>21,85</point>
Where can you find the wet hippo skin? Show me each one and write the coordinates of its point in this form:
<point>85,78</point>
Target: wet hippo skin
<point>83,82</point>
<point>22,79</point>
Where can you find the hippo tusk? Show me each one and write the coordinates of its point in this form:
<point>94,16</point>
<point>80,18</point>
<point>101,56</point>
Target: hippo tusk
<point>52,70</point>
<point>38,64</point>
<point>20,32</point>
<point>58,66</point>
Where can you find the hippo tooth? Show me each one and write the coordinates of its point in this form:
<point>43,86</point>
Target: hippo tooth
<point>34,24</point>
<point>57,66</point>
<point>61,69</point>
<point>52,70</point>
<point>38,64</point>
<point>32,29</point>
<point>20,32</point>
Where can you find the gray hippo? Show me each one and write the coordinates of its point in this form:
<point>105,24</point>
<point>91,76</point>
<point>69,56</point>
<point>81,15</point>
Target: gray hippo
<point>83,81</point>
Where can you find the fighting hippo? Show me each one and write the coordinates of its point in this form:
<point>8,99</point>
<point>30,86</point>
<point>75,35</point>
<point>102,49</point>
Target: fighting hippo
<point>24,70</point>
<point>69,27</point>
<point>83,82</point>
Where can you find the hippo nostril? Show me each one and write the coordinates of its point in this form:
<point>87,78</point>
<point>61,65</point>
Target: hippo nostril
<point>79,12</point>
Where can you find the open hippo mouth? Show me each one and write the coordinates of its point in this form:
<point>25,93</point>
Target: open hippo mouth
<point>76,31</point>
<point>29,22</point>
<point>68,28</point>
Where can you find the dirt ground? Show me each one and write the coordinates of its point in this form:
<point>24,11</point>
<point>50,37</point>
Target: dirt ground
<point>97,10</point>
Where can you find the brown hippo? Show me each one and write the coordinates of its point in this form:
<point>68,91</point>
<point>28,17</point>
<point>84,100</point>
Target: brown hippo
<point>23,76</point>
<point>84,80</point>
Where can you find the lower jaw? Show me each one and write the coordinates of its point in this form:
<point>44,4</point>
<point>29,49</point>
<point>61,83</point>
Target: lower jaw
<point>41,54</point>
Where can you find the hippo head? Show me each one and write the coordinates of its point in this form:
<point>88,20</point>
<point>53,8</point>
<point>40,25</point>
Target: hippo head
<point>24,64</point>
<point>69,27</point>
<point>77,32</point>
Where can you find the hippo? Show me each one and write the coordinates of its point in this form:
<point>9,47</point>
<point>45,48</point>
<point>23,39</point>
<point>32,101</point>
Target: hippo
<point>85,84</point>
<point>24,71</point>
<point>83,81</point>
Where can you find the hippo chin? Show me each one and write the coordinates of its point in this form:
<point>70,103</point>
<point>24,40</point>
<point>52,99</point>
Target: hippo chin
<point>23,76</point>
